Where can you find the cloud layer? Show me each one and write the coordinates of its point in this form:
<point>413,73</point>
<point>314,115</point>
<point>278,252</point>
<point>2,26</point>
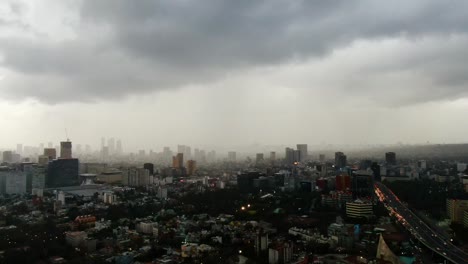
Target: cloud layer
<point>89,51</point>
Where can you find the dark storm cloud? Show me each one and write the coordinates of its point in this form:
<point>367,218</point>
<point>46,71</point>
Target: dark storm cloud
<point>153,45</point>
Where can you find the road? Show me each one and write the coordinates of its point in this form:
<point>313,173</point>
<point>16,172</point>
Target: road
<point>430,238</point>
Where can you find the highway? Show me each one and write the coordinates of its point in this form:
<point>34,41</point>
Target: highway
<point>422,232</point>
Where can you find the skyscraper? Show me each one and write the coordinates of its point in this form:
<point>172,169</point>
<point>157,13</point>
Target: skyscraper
<point>340,160</point>
<point>289,156</point>
<point>178,161</point>
<point>390,158</point>
<point>259,158</point>
<point>191,167</point>
<point>62,172</point>
<point>149,167</point>
<point>303,152</point>
<point>19,149</point>
<point>272,156</point>
<point>51,153</point>
<point>65,150</point>
<point>8,156</point>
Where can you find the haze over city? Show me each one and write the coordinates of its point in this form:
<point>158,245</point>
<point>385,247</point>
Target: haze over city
<point>227,73</point>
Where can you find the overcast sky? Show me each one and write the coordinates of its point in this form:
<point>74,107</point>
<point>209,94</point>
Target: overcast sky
<point>157,73</point>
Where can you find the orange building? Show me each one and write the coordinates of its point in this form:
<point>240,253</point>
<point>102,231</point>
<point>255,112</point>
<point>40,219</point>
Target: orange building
<point>191,167</point>
<point>178,161</point>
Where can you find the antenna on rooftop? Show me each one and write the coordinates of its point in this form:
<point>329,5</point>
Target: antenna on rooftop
<point>66,134</point>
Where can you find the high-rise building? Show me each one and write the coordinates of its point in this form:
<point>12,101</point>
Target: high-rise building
<point>259,158</point>
<point>66,150</point>
<point>232,156</point>
<point>149,167</point>
<point>390,158</point>
<point>51,153</point>
<point>304,154</point>
<point>136,176</point>
<point>362,184</point>
<point>455,209</point>
<point>63,172</point>
<point>340,160</point>
<point>289,156</point>
<point>19,149</point>
<point>375,167</point>
<point>8,156</point>
<point>12,181</point>
<point>359,209</point>
<point>272,156</point>
<point>191,167</point>
<point>178,161</point>
<point>343,182</point>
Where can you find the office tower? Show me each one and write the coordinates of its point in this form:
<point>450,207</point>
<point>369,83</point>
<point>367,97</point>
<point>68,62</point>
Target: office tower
<point>297,156</point>
<point>51,153</point>
<point>141,153</point>
<point>50,145</point>
<point>232,156</point>
<point>191,167</point>
<point>8,156</point>
<point>12,181</point>
<point>111,145</point>
<point>43,160</point>
<point>289,156</point>
<point>343,182</point>
<point>390,158</point>
<point>62,172</point>
<point>105,152</point>
<point>187,152</point>
<point>19,149</point>
<point>303,152</point>
<point>136,176</point>
<point>41,148</point>
<point>149,167</point>
<point>272,156</point>
<point>375,167</point>
<point>245,181</point>
<point>65,150</point>
<point>359,209</point>
<point>118,147</point>
<point>259,158</point>
<point>103,142</point>
<point>456,208</point>
<point>88,149</point>
<point>362,184</point>
<point>178,161</point>
<point>340,160</point>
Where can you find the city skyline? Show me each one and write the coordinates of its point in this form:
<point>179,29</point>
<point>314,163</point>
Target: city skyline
<point>241,73</point>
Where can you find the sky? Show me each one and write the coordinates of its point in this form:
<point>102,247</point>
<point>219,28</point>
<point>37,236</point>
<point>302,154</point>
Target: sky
<point>226,73</point>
